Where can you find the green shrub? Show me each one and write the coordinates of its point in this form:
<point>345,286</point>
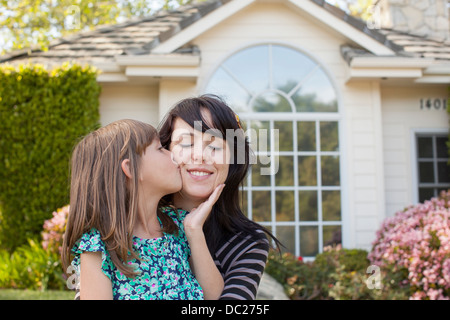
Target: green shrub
<point>31,267</point>
<point>43,115</point>
<point>350,259</point>
<point>337,273</point>
<point>301,280</point>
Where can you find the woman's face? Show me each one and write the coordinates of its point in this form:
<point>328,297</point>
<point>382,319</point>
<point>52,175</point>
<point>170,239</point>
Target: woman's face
<point>158,172</point>
<point>203,158</point>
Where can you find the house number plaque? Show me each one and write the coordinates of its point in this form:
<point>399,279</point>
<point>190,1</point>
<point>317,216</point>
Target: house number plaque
<point>433,104</point>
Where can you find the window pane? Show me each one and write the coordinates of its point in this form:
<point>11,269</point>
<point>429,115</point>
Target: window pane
<point>243,201</point>
<point>317,94</point>
<point>443,172</point>
<point>232,92</point>
<point>309,241</point>
<point>286,235</point>
<point>441,144</point>
<point>331,235</point>
<point>289,67</point>
<point>307,205</point>
<point>426,171</point>
<point>425,194</point>
<point>259,179</point>
<point>285,205</point>
<point>260,135</point>
<point>306,136</point>
<point>329,138</point>
<point>284,176</point>
<point>331,205</point>
<point>425,147</point>
<point>271,102</point>
<point>307,171</point>
<point>285,138</point>
<point>330,170</point>
<point>261,205</point>
<point>251,68</point>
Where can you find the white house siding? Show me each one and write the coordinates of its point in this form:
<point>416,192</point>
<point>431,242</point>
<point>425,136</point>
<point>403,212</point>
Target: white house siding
<point>361,137</point>
<point>402,117</point>
<point>131,101</point>
<point>173,90</point>
<point>365,161</point>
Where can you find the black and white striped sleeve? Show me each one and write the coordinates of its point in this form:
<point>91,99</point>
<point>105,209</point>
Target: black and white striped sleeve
<point>242,261</point>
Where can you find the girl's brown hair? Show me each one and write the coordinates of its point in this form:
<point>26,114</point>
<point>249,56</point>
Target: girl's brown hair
<point>101,195</point>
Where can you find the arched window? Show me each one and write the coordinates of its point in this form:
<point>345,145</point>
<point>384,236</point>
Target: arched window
<point>286,99</point>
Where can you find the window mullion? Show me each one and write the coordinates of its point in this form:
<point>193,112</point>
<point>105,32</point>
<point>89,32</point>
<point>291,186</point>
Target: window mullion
<point>272,177</point>
<point>319,186</point>
<point>296,204</point>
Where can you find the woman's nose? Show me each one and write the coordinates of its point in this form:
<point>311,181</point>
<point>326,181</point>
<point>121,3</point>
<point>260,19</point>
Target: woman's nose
<point>197,153</point>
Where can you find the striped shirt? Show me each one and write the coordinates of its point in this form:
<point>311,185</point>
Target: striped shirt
<point>241,261</point>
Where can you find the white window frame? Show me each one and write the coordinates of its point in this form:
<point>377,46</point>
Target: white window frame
<point>415,132</point>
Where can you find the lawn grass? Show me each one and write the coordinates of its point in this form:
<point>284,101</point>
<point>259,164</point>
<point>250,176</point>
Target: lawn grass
<point>15,294</point>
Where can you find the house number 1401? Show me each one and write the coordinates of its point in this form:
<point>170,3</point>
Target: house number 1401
<point>437,104</point>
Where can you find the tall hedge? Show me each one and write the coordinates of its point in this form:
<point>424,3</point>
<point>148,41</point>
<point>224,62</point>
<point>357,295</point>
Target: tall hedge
<point>43,113</point>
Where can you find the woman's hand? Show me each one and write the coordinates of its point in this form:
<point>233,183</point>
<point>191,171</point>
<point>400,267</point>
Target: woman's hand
<point>193,222</point>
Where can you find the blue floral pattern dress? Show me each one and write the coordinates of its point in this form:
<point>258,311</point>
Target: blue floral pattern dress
<point>164,271</point>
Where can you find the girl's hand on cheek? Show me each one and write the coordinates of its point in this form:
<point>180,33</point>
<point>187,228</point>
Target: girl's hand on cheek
<point>193,222</point>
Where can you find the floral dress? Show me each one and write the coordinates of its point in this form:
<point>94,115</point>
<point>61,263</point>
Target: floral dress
<point>164,271</point>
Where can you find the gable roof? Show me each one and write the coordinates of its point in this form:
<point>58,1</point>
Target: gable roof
<point>149,35</point>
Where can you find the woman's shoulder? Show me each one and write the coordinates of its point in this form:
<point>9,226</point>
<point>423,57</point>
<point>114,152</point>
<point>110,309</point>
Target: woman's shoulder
<point>242,251</point>
<point>243,242</point>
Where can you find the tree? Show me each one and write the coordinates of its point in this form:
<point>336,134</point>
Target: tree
<point>362,9</point>
<point>34,23</point>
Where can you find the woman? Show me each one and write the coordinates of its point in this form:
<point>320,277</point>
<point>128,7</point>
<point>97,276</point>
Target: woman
<point>195,130</point>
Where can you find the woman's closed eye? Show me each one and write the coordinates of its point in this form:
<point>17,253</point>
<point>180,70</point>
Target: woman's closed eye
<point>185,145</point>
<point>215,148</point>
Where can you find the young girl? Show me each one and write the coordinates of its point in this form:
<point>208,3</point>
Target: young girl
<point>125,246</point>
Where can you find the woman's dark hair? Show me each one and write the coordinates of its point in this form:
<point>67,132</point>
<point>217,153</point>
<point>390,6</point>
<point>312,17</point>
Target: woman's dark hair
<point>226,217</point>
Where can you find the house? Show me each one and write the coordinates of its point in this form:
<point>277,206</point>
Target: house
<point>360,107</point>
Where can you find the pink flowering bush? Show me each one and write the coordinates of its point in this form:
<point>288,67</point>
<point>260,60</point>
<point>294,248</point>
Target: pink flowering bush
<point>54,228</point>
<point>414,246</point>
<point>37,266</point>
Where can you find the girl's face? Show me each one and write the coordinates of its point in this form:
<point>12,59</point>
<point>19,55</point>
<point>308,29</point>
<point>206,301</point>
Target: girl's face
<point>203,158</point>
<point>158,173</point>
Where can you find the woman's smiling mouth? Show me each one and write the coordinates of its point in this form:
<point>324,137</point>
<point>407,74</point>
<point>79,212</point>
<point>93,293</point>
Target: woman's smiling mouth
<point>199,173</point>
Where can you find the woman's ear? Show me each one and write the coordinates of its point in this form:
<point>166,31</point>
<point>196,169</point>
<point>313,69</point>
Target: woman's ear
<point>126,168</point>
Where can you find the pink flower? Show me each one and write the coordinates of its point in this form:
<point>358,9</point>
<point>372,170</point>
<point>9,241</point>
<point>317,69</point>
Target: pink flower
<point>417,239</point>
<point>54,228</point>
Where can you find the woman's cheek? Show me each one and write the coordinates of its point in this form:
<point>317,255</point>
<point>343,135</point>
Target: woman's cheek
<point>181,155</point>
